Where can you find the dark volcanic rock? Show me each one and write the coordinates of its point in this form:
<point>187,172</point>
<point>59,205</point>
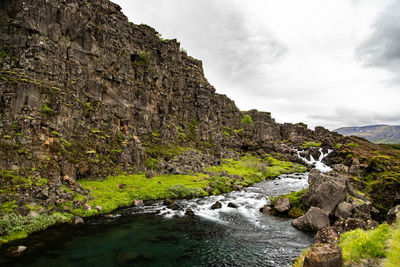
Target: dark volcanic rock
<point>325,191</point>
<point>282,205</point>
<point>327,235</point>
<point>216,205</point>
<point>324,255</point>
<point>315,219</point>
<point>233,205</point>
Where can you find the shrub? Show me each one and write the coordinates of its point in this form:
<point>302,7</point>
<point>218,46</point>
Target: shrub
<point>222,184</point>
<point>359,244</point>
<point>247,119</point>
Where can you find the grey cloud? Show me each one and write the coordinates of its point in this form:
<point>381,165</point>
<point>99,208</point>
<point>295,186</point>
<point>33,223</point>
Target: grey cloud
<point>343,116</point>
<point>382,48</point>
<point>219,33</point>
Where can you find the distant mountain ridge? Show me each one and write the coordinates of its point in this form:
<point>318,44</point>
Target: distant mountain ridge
<point>384,134</point>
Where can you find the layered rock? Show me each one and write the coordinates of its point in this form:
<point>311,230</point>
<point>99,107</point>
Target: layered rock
<point>84,94</point>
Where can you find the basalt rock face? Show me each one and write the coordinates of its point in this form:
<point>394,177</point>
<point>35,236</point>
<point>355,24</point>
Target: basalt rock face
<point>84,94</point>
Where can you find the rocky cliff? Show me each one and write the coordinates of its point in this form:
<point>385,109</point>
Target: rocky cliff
<point>84,92</point>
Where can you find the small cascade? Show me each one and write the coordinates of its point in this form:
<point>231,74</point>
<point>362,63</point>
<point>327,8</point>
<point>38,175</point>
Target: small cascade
<point>317,163</point>
<point>248,201</point>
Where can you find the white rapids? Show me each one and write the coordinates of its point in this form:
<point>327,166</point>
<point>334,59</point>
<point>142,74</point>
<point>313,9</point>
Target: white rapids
<point>249,200</point>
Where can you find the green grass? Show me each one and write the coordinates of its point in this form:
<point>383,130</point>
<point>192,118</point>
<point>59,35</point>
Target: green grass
<point>108,194</point>
<point>16,226</point>
<point>393,254</point>
<point>120,191</point>
<point>358,244</point>
<point>311,144</point>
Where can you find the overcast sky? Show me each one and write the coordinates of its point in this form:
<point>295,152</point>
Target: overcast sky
<point>332,63</point>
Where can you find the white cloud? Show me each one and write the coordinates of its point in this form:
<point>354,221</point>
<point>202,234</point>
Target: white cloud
<point>296,59</point>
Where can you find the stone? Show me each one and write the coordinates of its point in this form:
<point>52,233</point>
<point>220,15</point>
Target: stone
<point>327,235</point>
<point>354,223</point>
<point>325,191</point>
<point>209,190</point>
<point>266,209</point>
<point>324,255</point>
<point>340,168</point>
<point>393,215</point>
<point>99,208</point>
<point>16,251</point>
<point>216,205</point>
<point>86,206</point>
<point>315,219</point>
<point>189,212</point>
<point>233,205</point>
<point>343,210</point>
<point>138,203</point>
<point>32,214</point>
<point>77,220</point>
<point>282,205</point>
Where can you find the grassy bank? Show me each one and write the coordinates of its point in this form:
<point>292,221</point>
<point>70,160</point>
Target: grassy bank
<point>120,191</point>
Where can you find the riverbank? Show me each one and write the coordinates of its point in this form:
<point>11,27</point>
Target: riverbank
<point>104,196</point>
<point>159,235</point>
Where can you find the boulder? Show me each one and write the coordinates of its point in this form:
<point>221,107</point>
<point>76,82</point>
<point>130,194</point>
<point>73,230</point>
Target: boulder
<point>324,255</point>
<point>315,219</point>
<point>340,168</point>
<point>189,212</point>
<point>325,191</point>
<point>327,235</point>
<point>233,205</point>
<point>32,214</point>
<point>354,223</point>
<point>77,220</point>
<point>16,251</point>
<point>343,210</point>
<point>138,203</point>
<point>266,209</point>
<point>393,214</point>
<point>216,205</point>
<point>282,205</point>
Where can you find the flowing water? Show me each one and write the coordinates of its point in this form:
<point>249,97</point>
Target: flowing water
<point>154,235</point>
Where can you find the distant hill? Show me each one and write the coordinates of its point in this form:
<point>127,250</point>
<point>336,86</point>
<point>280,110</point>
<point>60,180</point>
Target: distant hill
<point>383,134</point>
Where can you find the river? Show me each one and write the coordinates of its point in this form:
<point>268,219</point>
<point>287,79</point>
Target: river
<point>154,235</point>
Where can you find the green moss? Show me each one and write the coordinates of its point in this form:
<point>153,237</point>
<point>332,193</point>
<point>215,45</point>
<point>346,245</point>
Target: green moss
<point>352,145</point>
<point>224,132</point>
<point>296,206</point>
<point>47,110</point>
<point>179,191</point>
<point>338,146</point>
<point>358,244</point>
<point>311,144</point>
<point>192,128</point>
<point>155,150</point>
<point>8,207</point>
<point>143,59</point>
<point>151,163</point>
<point>16,226</point>
<point>247,119</point>
<point>109,195</point>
